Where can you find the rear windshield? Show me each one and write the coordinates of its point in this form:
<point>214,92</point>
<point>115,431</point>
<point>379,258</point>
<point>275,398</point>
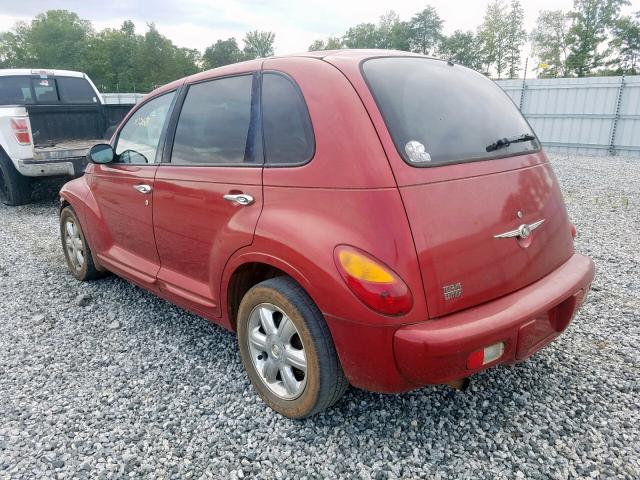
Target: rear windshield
<point>438,113</point>
<point>26,90</point>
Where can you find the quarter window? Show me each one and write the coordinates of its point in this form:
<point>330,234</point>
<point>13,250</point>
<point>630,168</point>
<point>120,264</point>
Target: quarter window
<point>288,135</point>
<point>139,138</point>
<point>213,127</point>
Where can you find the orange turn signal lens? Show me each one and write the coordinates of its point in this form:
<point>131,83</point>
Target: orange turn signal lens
<point>376,285</point>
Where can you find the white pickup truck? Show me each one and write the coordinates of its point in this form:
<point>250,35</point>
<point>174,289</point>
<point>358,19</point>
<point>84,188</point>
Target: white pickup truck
<point>48,121</point>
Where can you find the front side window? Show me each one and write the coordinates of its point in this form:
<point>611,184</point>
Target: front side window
<point>76,90</point>
<point>438,113</point>
<point>213,127</point>
<point>15,91</point>
<point>138,140</point>
<point>288,135</point>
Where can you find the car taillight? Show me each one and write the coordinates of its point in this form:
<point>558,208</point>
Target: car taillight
<point>20,129</point>
<point>376,285</point>
<point>574,231</point>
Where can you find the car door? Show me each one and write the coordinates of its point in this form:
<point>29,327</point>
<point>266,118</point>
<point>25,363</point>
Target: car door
<point>123,191</point>
<point>208,193</point>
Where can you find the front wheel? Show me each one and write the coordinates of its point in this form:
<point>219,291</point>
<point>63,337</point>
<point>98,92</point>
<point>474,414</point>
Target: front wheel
<point>287,349</point>
<point>76,250</point>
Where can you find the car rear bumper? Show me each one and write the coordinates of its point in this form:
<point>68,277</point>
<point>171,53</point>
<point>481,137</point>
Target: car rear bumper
<point>437,351</point>
<point>46,168</point>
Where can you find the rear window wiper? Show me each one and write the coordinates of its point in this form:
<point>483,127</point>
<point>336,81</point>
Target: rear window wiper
<point>505,142</point>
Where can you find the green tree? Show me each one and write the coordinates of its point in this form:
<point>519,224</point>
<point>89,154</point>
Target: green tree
<point>258,44</point>
<point>516,36</point>
<point>54,39</point>
<point>426,31</point>
<point>625,45</point>
<point>159,61</point>
<point>394,33</point>
<point>14,52</point>
<point>549,43</point>
<point>223,52</point>
<point>494,34</point>
<point>462,47</point>
<point>332,43</point>
<point>591,21</point>
<point>363,35</point>
<point>111,57</point>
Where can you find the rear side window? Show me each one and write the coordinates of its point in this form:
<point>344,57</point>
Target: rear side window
<point>75,90</point>
<point>45,90</point>
<point>288,135</point>
<point>213,127</point>
<point>15,91</point>
<point>438,113</point>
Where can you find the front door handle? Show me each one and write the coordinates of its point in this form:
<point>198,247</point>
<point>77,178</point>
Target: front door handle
<point>239,199</point>
<point>143,188</point>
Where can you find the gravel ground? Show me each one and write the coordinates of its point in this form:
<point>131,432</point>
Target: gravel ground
<point>102,380</point>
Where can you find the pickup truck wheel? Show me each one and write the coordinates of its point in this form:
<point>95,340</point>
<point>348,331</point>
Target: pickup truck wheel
<point>15,189</point>
<point>76,250</point>
<point>287,349</point>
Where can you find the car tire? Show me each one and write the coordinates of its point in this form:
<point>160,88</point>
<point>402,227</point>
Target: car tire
<point>15,189</point>
<point>273,359</point>
<point>76,250</point>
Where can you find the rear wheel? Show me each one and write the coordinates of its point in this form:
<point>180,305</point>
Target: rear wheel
<point>15,189</point>
<point>287,349</point>
<point>76,250</point>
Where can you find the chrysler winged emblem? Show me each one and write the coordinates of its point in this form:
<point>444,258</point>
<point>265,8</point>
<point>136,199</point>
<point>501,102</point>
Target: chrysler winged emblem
<point>523,231</point>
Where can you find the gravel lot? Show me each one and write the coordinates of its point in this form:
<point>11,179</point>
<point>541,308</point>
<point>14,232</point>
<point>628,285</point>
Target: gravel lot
<point>102,380</point>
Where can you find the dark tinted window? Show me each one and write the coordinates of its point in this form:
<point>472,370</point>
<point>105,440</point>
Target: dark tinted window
<point>438,113</point>
<point>139,138</point>
<point>76,90</point>
<point>15,90</point>
<point>45,90</point>
<point>213,126</point>
<point>288,136</point>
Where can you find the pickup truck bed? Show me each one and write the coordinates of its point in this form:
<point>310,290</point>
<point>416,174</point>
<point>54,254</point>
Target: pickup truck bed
<point>49,119</point>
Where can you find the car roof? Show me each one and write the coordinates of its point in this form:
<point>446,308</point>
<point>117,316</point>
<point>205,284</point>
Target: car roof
<point>8,72</point>
<point>355,55</point>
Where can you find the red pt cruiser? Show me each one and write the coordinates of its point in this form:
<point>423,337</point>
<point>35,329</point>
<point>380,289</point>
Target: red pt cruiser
<point>372,218</point>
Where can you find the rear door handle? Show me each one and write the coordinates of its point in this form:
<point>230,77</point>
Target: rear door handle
<point>143,188</point>
<point>239,199</point>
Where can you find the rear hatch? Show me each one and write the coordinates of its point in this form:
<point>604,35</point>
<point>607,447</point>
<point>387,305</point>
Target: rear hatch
<point>483,203</point>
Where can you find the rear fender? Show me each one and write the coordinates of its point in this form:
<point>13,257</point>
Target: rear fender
<point>300,237</point>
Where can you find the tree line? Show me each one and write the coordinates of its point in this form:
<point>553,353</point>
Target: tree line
<point>117,59</point>
<point>592,39</point>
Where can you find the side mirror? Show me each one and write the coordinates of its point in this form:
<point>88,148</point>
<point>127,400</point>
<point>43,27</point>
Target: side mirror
<point>101,153</point>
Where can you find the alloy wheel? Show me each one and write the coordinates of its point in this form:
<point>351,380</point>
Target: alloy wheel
<point>74,244</point>
<point>277,351</point>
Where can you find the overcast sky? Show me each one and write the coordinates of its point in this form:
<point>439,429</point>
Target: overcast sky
<point>296,23</point>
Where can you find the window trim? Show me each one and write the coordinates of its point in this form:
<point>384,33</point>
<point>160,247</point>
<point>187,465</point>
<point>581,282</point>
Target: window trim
<point>163,133</point>
<point>453,162</point>
<point>255,125</point>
